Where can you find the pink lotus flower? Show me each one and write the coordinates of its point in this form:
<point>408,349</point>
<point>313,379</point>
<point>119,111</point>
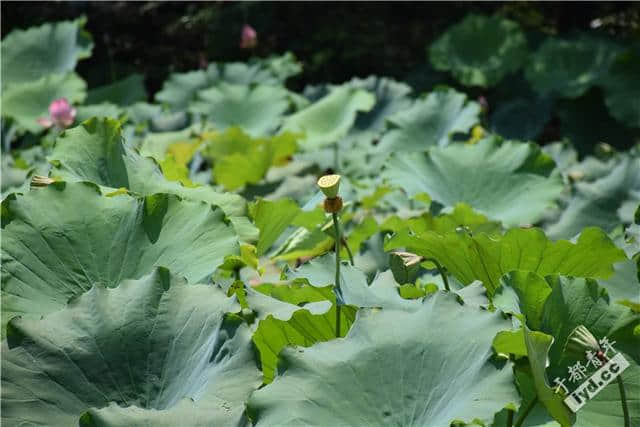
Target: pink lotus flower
<point>248,37</point>
<point>61,114</point>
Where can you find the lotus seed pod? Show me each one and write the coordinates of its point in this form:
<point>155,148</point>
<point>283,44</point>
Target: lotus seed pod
<point>329,184</point>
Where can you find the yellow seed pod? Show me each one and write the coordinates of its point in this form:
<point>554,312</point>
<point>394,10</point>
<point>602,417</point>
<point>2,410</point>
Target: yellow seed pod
<point>329,184</point>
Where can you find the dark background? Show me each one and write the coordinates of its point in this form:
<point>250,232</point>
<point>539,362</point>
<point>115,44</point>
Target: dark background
<point>334,40</point>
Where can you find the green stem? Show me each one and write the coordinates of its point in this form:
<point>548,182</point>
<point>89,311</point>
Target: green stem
<point>510,413</point>
<point>441,270</point>
<point>623,398</point>
<point>528,409</point>
<point>336,226</point>
<point>346,246</point>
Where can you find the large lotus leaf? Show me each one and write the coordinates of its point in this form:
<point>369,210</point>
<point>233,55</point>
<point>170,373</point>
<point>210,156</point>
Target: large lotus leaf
<point>257,109</point>
<point>101,111</point>
<point>156,350</point>
<point>575,302</point>
<point>181,88</point>
<point>600,202</point>
<point>294,314</point>
<point>391,97</point>
<point>19,165</point>
<point>506,181</point>
<point>488,258</point>
<point>60,240</point>
<point>394,368</point>
<point>281,66</point>
<point>431,120</point>
<point>480,50</point>
<point>624,284</point>
<point>383,291</point>
<point>329,119</point>
<point>95,151</point>
<point>521,118</point>
<point>622,91</point>
<point>461,216</point>
<point>29,55</point>
<point>26,102</point>
<point>123,92</point>
<point>157,144</point>
<point>240,160</point>
<point>538,345</point>
<point>272,218</point>
<point>568,68</point>
<point>585,121</point>
<point>531,292</point>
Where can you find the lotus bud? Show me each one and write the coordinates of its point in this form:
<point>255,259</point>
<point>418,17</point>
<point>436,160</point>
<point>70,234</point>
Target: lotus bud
<point>581,340</point>
<point>40,181</point>
<point>248,37</point>
<point>61,114</point>
<point>329,185</point>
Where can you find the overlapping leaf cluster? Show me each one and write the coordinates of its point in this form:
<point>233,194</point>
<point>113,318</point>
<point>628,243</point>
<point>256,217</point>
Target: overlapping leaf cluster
<point>169,262</point>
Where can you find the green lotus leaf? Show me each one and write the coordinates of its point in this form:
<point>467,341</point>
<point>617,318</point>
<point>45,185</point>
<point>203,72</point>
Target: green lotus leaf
<point>181,88</point>
<point>101,111</point>
<point>60,240</point>
<point>29,55</point>
<point>388,369</point>
<point>488,257</point>
<point>462,216</point>
<point>281,67</point>
<point>383,291</point>
<point>531,291</point>
<point>95,151</point>
<point>431,120</point>
<point>328,120</point>
<point>240,160</point>
<point>272,218</point>
<point>585,121</point>
<point>258,109</point>
<point>480,50</point>
<point>391,97</point>
<point>575,302</point>
<point>157,144</point>
<point>27,102</point>
<point>506,181</point>
<point>601,202</point>
<point>153,351</point>
<point>538,345</point>
<point>123,92</point>
<point>624,284</point>
<point>622,90</point>
<point>18,166</point>
<point>568,68</point>
<point>294,314</point>
<point>521,118</point>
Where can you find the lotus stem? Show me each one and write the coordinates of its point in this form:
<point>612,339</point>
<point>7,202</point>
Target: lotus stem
<point>336,226</point>
<point>527,409</point>
<point>346,246</point>
<point>623,399</point>
<point>441,270</point>
<point>510,413</point>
